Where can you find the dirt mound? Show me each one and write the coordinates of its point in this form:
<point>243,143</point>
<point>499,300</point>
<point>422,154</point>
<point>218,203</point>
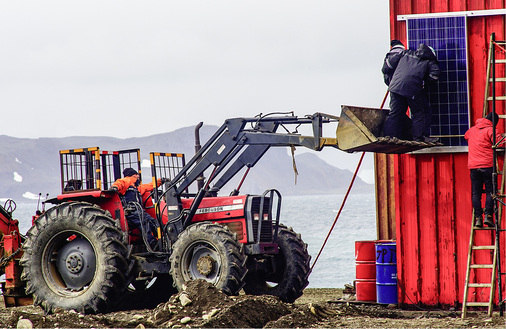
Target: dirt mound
<point>202,305</point>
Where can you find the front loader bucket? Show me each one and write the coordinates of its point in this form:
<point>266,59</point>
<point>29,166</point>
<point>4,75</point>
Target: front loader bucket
<point>360,130</point>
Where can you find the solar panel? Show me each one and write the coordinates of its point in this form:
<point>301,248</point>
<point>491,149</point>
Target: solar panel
<point>449,97</point>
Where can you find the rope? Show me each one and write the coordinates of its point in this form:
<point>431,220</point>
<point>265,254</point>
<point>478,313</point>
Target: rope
<point>295,171</point>
<point>340,209</point>
<point>345,197</point>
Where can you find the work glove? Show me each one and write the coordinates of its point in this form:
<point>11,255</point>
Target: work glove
<point>113,189</point>
<point>161,181</point>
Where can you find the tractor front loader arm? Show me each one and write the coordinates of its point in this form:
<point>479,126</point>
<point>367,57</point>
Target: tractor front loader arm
<point>239,143</point>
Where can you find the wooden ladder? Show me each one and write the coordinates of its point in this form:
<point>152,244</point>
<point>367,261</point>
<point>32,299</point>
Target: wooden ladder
<point>470,265</point>
<point>495,280</point>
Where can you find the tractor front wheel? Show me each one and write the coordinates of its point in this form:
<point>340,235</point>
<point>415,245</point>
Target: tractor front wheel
<point>288,275</point>
<point>210,252</point>
<point>74,259</point>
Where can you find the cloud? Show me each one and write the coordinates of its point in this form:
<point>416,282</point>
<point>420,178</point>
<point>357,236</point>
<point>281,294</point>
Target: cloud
<point>17,177</point>
<point>145,163</point>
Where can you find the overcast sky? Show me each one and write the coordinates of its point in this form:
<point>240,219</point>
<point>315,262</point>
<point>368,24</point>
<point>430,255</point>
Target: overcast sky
<point>138,68</point>
<point>86,68</point>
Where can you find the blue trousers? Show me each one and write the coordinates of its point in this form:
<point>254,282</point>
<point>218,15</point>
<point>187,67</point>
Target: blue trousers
<point>134,221</point>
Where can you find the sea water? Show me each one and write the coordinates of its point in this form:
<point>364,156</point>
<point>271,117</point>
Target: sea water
<point>312,217</point>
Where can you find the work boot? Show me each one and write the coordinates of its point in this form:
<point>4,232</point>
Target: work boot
<point>478,221</point>
<point>489,221</point>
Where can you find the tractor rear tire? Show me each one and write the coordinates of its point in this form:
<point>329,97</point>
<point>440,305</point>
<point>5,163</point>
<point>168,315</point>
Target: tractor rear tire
<point>210,252</point>
<point>74,259</point>
<point>292,269</point>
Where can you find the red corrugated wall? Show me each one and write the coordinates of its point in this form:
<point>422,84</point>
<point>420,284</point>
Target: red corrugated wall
<point>432,191</point>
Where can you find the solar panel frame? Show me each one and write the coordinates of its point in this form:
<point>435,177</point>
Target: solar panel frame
<point>449,98</point>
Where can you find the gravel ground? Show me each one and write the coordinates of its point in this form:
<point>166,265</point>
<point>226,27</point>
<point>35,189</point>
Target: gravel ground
<point>202,306</point>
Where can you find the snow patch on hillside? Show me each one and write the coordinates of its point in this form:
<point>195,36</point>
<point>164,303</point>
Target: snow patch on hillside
<point>30,195</point>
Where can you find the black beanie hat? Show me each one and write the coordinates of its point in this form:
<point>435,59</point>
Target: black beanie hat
<point>395,42</point>
<point>129,172</point>
<point>489,117</point>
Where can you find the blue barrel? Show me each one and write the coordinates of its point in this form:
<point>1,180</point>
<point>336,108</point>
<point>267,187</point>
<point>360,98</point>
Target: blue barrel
<point>386,273</point>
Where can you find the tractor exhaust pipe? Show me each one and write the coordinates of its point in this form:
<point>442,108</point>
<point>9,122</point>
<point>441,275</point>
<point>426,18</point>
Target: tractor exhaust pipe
<point>200,179</point>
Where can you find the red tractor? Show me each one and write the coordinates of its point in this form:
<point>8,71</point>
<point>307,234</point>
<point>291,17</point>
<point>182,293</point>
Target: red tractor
<point>80,254</point>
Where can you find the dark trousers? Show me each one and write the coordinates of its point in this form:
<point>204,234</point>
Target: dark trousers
<point>479,177</point>
<point>134,221</point>
<point>396,124</point>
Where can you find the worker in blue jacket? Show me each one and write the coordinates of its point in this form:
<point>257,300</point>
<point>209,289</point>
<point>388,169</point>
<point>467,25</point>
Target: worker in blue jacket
<point>415,70</point>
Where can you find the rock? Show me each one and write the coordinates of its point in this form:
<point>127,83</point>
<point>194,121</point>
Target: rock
<point>58,310</point>
<point>209,315</point>
<point>185,300</point>
<point>140,326</point>
<point>24,324</point>
<point>138,317</point>
<point>185,320</point>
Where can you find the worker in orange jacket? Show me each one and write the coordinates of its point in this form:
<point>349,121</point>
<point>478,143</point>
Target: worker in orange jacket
<point>131,191</point>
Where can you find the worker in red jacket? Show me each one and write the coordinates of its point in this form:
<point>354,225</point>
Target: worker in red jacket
<point>131,191</point>
<point>480,161</point>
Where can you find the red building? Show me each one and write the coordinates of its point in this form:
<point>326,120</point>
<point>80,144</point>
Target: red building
<point>424,198</point>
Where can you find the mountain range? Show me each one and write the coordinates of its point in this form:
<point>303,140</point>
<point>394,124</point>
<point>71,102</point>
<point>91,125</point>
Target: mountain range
<point>31,166</point>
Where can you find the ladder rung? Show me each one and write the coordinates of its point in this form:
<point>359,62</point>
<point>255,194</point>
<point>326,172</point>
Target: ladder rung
<point>497,79</point>
<point>484,228</point>
<point>484,247</point>
<point>478,285</point>
<point>482,266</point>
<point>502,116</point>
<point>500,61</point>
<point>477,304</point>
<point>497,98</point>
